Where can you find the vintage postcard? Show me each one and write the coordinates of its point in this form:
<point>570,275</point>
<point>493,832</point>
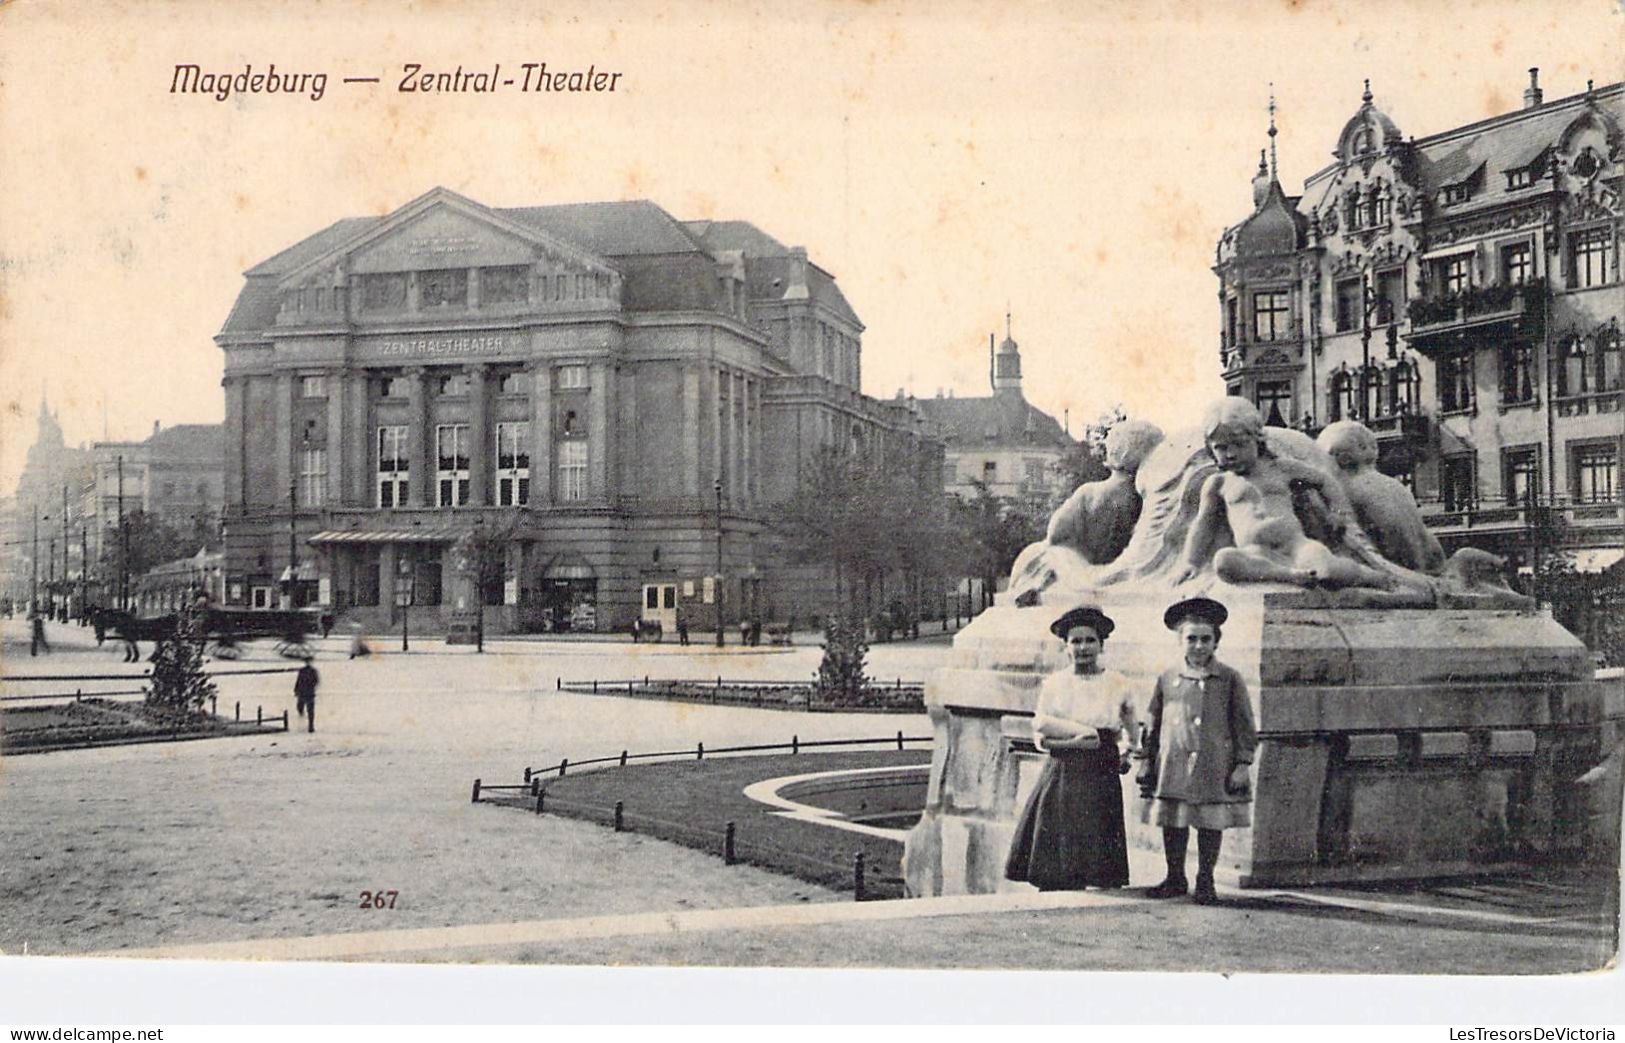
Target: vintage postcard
<point>874,487</point>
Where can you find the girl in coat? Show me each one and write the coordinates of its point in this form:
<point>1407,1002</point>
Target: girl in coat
<point>1198,751</point>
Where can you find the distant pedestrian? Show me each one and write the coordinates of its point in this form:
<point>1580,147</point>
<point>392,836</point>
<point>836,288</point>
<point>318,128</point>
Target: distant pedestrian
<point>37,637</point>
<point>682,626</point>
<point>304,693</point>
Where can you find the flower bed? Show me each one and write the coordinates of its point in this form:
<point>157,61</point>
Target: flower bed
<point>875,699</point>
<point>106,722</point>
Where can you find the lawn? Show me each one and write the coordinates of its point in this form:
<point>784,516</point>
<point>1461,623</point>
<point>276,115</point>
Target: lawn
<point>692,802</point>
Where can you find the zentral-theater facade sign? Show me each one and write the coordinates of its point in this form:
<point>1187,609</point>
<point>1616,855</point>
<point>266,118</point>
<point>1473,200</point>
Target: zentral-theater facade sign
<point>440,346</point>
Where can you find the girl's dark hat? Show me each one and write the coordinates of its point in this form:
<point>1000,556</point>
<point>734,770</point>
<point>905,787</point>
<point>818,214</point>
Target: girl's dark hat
<point>1084,616</point>
<point>1203,610</point>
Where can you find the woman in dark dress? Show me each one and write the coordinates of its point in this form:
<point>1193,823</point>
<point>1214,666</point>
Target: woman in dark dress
<point>1070,836</point>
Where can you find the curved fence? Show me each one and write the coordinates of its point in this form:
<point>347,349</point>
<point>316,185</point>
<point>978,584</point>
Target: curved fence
<point>870,872</point>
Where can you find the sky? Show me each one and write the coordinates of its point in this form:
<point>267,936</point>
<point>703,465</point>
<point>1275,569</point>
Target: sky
<point>1073,163</point>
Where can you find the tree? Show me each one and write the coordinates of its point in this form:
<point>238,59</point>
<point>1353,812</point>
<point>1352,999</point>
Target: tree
<point>841,672</point>
<point>997,531</point>
<point>481,556</point>
<point>178,680</point>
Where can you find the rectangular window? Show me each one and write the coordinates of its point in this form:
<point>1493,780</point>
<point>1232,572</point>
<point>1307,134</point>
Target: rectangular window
<point>1232,322</point>
<point>1348,305</point>
<point>454,384</point>
<point>1457,193</point>
<point>1589,257</point>
<point>312,387</point>
<point>1596,473</point>
<point>394,464</point>
<point>1520,178</point>
<point>1520,476</point>
<point>511,382</point>
<point>1517,383</point>
<point>1270,316</point>
<point>313,478</point>
<point>1455,274</point>
<point>451,465</point>
<point>572,470</point>
<point>513,464</point>
<point>1456,382</point>
<point>509,284</point>
<point>1390,295</point>
<point>572,377</point>
<point>1274,401</point>
<point>393,387</point>
<point>1517,264</point>
<point>443,288</point>
<point>384,291</point>
<point>1456,484</point>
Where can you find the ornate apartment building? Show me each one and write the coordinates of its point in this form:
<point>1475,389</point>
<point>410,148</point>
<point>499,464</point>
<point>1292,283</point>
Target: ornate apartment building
<point>603,385</point>
<point>1461,295</point>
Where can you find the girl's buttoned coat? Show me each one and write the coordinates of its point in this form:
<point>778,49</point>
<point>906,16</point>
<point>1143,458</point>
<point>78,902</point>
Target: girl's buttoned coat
<point>1201,728</point>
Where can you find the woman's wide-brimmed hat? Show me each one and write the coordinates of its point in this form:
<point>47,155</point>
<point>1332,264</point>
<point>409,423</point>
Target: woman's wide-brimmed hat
<point>1083,616</point>
<point>1203,610</point>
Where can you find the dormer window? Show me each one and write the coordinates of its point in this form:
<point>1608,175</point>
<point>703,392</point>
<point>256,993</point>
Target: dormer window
<point>1517,179</point>
<point>1363,142</point>
<point>1457,193</point>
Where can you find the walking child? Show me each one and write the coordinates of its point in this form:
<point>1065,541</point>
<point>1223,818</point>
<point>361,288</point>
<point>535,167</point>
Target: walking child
<point>1199,750</point>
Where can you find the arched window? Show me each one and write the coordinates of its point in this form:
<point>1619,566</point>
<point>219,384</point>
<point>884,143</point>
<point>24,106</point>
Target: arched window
<point>1609,377</point>
<point>1373,393</point>
<point>1402,388</point>
<point>1336,392</point>
<point>1571,370</point>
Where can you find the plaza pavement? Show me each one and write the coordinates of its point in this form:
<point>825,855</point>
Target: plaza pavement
<point>257,848</point>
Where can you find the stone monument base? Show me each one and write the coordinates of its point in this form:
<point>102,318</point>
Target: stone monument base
<point>1394,743</point>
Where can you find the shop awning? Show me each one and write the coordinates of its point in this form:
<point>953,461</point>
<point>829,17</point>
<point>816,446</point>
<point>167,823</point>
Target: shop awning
<point>307,572</point>
<point>385,536</point>
<point>1597,559</point>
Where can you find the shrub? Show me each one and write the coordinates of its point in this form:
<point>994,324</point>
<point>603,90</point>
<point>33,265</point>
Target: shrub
<point>840,674</point>
<point>178,680</point>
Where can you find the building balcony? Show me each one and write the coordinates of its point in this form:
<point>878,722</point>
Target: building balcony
<point>1441,321</point>
<point>1499,516</point>
<point>1410,428</point>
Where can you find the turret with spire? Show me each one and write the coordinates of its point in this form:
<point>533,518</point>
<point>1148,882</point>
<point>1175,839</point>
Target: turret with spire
<point>1007,363</point>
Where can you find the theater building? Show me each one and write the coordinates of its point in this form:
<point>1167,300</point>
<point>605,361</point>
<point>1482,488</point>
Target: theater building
<point>591,392</point>
<point>1460,294</point>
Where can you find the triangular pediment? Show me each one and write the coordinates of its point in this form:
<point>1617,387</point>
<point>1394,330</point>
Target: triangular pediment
<point>442,229</point>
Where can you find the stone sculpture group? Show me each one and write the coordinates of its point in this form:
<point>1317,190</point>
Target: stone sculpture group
<point>1236,502</point>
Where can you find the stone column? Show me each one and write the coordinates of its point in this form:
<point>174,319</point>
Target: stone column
<point>236,388</point>
<point>748,442</point>
<point>337,467</point>
<point>479,437</point>
<point>541,435</point>
<point>418,437</point>
<point>736,436</point>
<point>386,578</point>
<point>360,441</point>
<point>691,429</point>
<point>285,439</point>
<point>598,407</point>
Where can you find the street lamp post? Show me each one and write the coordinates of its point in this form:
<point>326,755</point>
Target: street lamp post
<point>480,551</point>
<point>33,569</point>
<point>717,589</point>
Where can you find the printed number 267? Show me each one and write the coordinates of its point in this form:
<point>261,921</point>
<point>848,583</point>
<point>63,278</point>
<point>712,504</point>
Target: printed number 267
<point>378,899</point>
